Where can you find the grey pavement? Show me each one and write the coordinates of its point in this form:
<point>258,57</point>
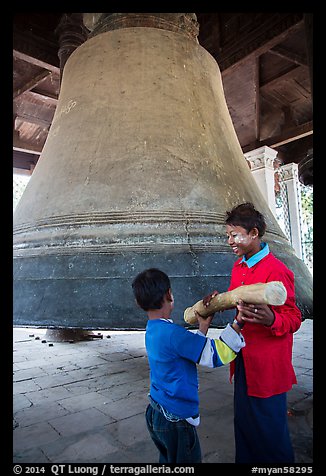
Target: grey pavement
<point>84,402</point>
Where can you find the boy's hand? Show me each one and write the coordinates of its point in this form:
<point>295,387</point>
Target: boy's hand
<point>207,299</point>
<point>204,322</point>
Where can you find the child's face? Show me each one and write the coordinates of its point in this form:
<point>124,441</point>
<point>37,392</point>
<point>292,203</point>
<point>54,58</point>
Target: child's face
<point>242,242</point>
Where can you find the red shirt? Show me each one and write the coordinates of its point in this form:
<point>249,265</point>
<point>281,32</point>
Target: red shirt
<point>267,355</point>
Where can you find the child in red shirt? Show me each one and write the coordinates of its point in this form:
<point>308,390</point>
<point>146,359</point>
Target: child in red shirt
<point>263,371</point>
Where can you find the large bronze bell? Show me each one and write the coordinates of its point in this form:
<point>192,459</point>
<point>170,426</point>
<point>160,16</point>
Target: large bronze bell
<point>140,165</point>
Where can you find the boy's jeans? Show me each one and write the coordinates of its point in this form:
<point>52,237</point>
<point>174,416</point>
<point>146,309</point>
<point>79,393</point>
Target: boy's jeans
<point>176,441</point>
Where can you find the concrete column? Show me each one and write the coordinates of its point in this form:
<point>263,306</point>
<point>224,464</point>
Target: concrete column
<point>262,167</point>
<point>289,176</point>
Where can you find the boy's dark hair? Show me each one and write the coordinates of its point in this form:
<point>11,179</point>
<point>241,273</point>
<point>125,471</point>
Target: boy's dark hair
<point>248,217</point>
<point>150,287</point>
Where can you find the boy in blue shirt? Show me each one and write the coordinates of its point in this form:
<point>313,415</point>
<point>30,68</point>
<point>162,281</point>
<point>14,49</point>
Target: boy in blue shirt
<point>173,352</point>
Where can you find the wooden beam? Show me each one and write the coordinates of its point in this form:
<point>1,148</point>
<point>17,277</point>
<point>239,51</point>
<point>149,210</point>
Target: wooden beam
<point>22,146</point>
<point>33,120</point>
<point>289,135</point>
<point>47,98</point>
<point>32,83</point>
<point>23,162</point>
<point>36,50</point>
<point>36,62</point>
<point>289,55</point>
<point>257,100</point>
<point>272,99</point>
<point>285,76</point>
<point>259,41</point>
<point>296,151</point>
<point>309,27</point>
<point>21,167</point>
<point>209,30</point>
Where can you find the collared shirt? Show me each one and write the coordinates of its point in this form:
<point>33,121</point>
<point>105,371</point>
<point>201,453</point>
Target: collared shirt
<point>264,250</point>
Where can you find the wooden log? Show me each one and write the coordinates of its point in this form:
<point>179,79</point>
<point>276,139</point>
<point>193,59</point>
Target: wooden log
<point>272,293</point>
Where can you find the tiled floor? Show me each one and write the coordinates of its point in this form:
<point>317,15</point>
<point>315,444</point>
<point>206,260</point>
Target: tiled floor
<point>84,402</point>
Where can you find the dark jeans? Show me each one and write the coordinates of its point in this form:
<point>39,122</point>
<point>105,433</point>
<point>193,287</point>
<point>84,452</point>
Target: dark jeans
<point>177,441</point>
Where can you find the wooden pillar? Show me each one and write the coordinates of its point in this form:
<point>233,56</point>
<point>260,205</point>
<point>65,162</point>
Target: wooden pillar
<point>72,33</point>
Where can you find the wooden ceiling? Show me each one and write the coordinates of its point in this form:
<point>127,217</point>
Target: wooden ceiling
<point>266,65</point>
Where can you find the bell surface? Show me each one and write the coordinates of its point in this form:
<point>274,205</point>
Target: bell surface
<point>140,165</point>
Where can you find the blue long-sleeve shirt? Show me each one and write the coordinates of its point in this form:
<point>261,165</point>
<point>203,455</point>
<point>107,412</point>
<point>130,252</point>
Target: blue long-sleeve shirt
<point>173,353</point>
